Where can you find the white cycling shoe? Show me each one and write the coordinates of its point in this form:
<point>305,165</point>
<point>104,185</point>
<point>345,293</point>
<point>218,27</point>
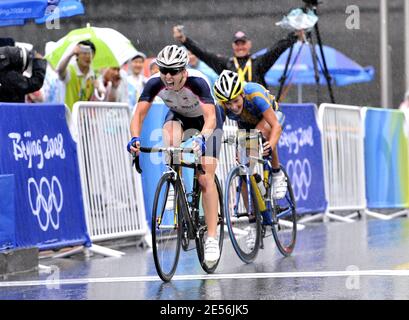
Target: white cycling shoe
<point>250,238</point>
<point>279,185</point>
<point>211,252</point>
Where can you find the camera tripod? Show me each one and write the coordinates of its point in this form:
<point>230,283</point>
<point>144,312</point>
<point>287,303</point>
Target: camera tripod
<point>310,4</point>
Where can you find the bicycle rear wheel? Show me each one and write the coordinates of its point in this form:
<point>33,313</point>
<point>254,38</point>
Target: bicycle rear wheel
<point>244,226</point>
<point>166,227</point>
<point>200,241</point>
<point>284,217</point>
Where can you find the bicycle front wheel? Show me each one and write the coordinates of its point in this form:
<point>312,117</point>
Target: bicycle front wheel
<point>166,227</point>
<point>284,217</point>
<point>243,221</point>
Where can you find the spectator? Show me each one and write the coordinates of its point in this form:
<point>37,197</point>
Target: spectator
<point>35,97</point>
<point>153,67</point>
<point>248,67</point>
<point>14,86</point>
<point>197,64</point>
<point>52,90</point>
<point>136,79</point>
<point>405,103</point>
<point>114,81</point>
<point>78,77</point>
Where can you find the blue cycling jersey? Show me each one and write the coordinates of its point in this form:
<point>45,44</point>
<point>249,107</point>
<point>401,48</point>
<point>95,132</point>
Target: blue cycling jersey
<point>257,100</point>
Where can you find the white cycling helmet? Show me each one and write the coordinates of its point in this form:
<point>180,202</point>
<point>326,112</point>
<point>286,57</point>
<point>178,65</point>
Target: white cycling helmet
<point>228,86</point>
<point>172,57</point>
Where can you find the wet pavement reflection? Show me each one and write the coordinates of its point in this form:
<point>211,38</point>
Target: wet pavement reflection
<point>321,247</point>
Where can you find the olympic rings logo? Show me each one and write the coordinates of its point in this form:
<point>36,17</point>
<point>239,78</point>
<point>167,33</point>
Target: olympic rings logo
<point>47,197</point>
<point>301,175</point>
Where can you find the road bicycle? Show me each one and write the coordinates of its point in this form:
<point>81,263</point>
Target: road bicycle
<point>177,214</point>
<point>247,195</point>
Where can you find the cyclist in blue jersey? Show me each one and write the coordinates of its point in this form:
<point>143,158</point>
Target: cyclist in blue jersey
<point>191,106</point>
<point>253,107</point>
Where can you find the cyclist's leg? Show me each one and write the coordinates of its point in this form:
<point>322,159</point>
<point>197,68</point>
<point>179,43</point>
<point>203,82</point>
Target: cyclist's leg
<point>207,181</point>
<point>209,194</point>
<point>172,133</point>
<point>279,180</point>
<point>172,130</point>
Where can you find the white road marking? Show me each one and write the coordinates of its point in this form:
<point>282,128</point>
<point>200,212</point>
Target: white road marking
<point>318,274</point>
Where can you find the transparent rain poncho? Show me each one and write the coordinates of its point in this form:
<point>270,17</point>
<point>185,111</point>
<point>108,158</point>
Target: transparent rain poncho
<point>297,19</point>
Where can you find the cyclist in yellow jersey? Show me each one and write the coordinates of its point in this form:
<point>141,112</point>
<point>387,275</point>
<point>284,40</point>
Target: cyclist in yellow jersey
<point>253,107</point>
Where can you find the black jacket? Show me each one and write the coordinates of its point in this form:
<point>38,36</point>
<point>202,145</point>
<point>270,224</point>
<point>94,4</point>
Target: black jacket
<point>260,64</point>
<point>14,86</point>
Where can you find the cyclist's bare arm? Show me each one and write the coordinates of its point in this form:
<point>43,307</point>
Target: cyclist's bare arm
<point>209,115</point>
<point>141,111</point>
<point>270,117</point>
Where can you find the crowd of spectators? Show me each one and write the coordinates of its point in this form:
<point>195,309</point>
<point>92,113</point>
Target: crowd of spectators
<point>75,80</point>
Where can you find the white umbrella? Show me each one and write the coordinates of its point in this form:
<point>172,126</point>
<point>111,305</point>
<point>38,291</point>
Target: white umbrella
<point>113,49</point>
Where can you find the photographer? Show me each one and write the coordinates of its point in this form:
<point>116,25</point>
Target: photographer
<point>13,62</point>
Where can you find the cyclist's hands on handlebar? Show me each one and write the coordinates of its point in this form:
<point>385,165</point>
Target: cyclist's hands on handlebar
<point>199,145</point>
<point>133,146</point>
<point>266,149</point>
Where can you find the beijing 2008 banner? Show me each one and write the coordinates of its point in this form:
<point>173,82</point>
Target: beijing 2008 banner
<point>300,152</point>
<point>386,159</point>
<point>36,146</point>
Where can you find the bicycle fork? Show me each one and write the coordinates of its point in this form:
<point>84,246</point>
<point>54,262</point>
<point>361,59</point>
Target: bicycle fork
<point>251,184</point>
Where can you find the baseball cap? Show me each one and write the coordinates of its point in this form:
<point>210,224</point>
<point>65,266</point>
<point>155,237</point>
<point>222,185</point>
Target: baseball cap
<point>139,54</point>
<point>240,36</point>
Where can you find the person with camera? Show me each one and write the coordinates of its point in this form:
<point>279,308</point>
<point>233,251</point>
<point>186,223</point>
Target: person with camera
<point>78,77</point>
<point>249,68</point>
<point>14,61</point>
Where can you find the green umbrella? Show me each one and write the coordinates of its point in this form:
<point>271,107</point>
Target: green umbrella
<point>112,48</point>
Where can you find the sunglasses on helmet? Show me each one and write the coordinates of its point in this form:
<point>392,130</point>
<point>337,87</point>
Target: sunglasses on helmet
<point>171,71</point>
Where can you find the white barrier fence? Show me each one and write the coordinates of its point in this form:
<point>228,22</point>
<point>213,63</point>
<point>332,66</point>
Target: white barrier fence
<point>112,191</point>
<point>227,153</point>
<point>343,152</point>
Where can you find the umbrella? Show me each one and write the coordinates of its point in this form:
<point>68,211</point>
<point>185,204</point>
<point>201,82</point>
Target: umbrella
<point>64,9</point>
<point>112,48</point>
<point>16,12</point>
<point>342,69</point>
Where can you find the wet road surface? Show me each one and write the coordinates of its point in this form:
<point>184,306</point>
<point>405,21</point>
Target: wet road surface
<point>368,259</point>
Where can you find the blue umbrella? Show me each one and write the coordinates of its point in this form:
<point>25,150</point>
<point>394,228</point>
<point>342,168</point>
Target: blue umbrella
<point>11,22</point>
<point>342,69</point>
<point>64,9</point>
<point>22,9</point>
<point>41,10</point>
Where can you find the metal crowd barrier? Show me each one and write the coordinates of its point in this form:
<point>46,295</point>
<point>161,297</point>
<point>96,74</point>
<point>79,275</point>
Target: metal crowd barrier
<point>227,153</point>
<point>112,192</point>
<point>343,153</point>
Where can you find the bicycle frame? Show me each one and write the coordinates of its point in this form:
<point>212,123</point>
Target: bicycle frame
<point>190,210</point>
<point>244,164</point>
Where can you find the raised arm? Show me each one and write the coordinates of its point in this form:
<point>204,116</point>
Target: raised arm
<point>217,63</point>
<point>267,60</point>
<point>62,67</point>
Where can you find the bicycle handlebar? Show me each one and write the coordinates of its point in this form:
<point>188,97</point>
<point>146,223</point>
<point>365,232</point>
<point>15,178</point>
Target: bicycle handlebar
<point>164,149</point>
<point>233,138</point>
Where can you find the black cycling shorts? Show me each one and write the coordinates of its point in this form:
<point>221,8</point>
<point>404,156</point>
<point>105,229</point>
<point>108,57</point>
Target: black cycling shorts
<point>213,142</point>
